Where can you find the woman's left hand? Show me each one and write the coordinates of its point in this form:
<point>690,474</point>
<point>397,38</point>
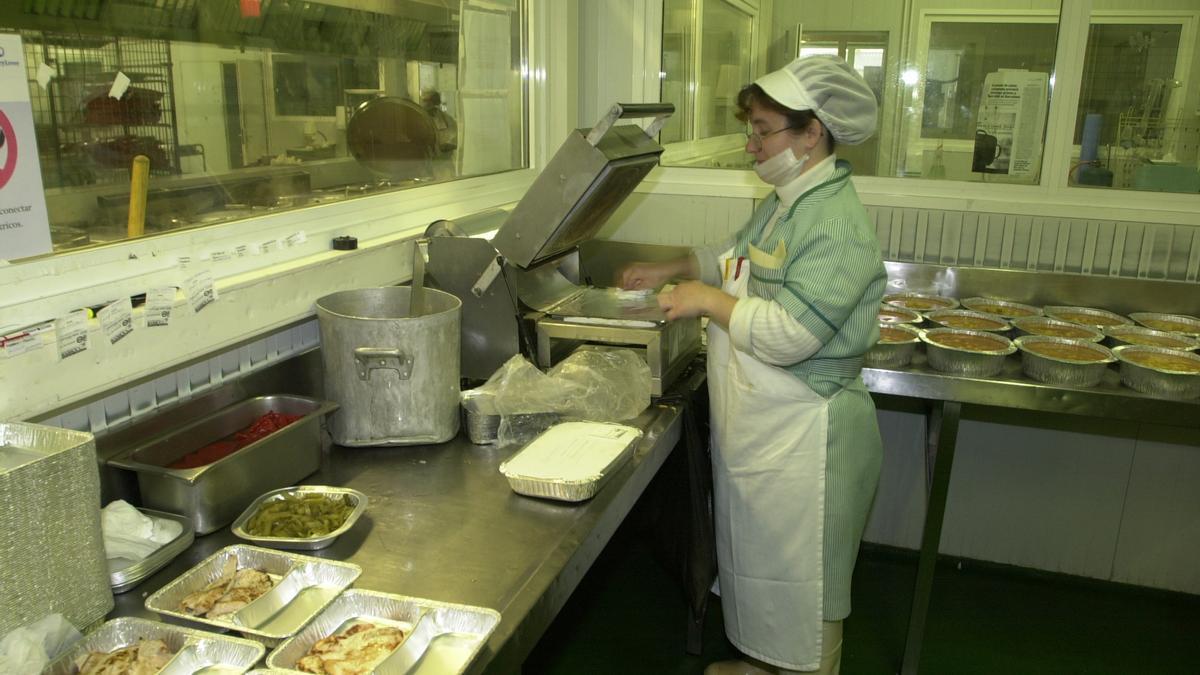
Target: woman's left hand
<point>693,298</point>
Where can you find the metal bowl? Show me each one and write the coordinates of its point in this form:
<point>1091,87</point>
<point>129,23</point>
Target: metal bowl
<point>1044,325</point>
<point>891,314</point>
<point>920,302</point>
<point>1004,308</point>
<point>966,362</point>
<point>1173,323</point>
<point>1140,335</point>
<point>1063,370</point>
<point>1086,316</point>
<point>947,318</point>
<point>358,499</point>
<point>893,354</point>
<point>1165,382</point>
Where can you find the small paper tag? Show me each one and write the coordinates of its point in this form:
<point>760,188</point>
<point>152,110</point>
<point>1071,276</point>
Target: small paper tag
<point>184,260</point>
<point>159,302</point>
<point>221,256</point>
<point>296,239</point>
<point>242,250</point>
<point>72,333</point>
<point>21,342</point>
<point>268,246</point>
<point>44,74</point>
<point>119,86</point>
<point>117,320</point>
<point>200,290</point>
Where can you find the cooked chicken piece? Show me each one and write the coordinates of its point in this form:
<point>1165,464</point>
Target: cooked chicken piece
<point>247,585</point>
<point>354,651</point>
<point>147,657</point>
<point>198,603</point>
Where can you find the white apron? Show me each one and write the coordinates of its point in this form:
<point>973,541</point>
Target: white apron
<point>769,432</point>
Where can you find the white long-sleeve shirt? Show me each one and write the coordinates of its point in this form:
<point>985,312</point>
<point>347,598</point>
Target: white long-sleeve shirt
<point>758,326</point>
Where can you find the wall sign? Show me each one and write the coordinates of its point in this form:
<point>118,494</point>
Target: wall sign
<point>24,224</point>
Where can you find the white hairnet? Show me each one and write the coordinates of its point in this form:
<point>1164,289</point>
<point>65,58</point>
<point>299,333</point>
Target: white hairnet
<point>829,87</point>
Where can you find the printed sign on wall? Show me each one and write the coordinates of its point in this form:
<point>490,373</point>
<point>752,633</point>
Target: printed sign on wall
<point>24,224</point>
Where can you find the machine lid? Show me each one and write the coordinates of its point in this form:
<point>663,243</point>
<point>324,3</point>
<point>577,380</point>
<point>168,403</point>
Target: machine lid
<point>393,137</point>
<point>587,179</point>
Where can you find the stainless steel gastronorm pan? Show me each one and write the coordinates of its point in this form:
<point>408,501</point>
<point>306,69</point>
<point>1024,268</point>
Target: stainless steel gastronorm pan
<point>213,495</point>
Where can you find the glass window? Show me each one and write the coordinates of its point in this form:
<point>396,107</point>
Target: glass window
<point>247,107</point>
<point>1136,126</point>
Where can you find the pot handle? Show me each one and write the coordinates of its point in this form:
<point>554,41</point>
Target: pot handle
<point>376,358</point>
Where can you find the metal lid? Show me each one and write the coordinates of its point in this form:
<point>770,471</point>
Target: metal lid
<point>588,178</point>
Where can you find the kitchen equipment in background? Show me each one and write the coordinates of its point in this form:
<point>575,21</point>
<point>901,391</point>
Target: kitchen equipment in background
<point>522,291</point>
<point>51,548</point>
<point>393,137</point>
<point>213,494</point>
<point>395,376</point>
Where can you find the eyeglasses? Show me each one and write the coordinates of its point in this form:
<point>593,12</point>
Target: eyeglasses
<point>755,140</point>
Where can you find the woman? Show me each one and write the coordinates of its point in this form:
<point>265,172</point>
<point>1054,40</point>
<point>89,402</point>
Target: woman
<point>795,443</point>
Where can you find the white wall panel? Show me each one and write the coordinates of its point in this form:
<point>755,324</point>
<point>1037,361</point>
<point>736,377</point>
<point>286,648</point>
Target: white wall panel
<point>1159,541</point>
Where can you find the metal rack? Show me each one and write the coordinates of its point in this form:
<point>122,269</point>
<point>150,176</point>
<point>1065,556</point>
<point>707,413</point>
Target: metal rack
<point>85,136</point>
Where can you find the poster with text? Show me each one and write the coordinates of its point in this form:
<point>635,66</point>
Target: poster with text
<point>24,224</point>
<point>1011,123</point>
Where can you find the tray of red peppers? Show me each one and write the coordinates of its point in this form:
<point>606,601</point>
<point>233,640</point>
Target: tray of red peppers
<point>262,427</point>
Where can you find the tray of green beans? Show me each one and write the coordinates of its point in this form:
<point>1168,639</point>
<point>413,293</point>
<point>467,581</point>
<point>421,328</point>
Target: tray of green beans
<point>304,517</point>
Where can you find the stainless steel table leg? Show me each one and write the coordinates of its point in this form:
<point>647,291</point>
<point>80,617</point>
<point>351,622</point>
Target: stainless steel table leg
<point>939,456</point>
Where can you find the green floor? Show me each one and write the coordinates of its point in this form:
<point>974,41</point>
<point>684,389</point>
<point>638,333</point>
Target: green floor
<point>628,616</point>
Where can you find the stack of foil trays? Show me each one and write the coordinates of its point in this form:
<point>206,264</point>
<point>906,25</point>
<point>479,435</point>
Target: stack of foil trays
<point>51,550</point>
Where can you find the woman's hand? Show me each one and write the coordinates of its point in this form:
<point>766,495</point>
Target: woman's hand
<point>640,275</point>
<point>693,298</point>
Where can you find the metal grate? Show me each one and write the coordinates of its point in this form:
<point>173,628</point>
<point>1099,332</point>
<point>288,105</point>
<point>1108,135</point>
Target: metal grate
<point>85,136</point>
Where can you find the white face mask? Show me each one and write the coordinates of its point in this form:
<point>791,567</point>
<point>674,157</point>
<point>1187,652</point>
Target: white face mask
<point>781,169</point>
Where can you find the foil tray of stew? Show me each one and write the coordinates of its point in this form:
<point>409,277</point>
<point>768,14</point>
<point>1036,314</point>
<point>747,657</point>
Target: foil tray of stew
<point>920,302</point>
<point>894,314</point>
<point>401,634</point>
<point>970,353</point>
<point>1171,323</point>
<point>965,319</point>
<point>1044,325</point>
<point>161,648</point>
<point>286,590</point>
<point>1086,316</point>
<point>315,537</point>
<point>1063,361</point>
<point>895,348</point>
<point>1003,308</point>
<point>1140,335</point>
<point>1160,372</point>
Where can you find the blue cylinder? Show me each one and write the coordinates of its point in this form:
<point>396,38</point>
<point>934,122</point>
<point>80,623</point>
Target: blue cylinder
<point>1090,143</point>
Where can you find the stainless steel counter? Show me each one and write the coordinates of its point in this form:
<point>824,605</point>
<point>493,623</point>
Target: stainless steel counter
<point>443,524</point>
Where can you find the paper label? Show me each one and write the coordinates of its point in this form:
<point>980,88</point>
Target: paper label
<point>24,223</point>
<point>119,86</point>
<point>72,334</point>
<point>296,239</point>
<point>184,260</point>
<point>27,340</point>
<point>242,250</point>
<point>221,256</point>
<point>159,302</point>
<point>268,246</point>
<point>44,74</point>
<point>200,290</point>
<point>117,320</point>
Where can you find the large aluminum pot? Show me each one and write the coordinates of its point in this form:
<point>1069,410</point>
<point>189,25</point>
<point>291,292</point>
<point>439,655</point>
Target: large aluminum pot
<point>395,376</point>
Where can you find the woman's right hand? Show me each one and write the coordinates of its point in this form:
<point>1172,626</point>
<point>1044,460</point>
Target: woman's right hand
<point>640,275</point>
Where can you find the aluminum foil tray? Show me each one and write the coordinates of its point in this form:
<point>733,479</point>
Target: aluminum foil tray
<point>891,314</point>
<point>358,499</point>
<point>947,319</point>
<point>196,651</point>
<point>1134,335</point>
<point>125,574</point>
<point>1044,325</point>
<point>304,586</point>
<point>1174,323</point>
<point>1156,382</point>
<point>1002,308</point>
<point>1053,370</point>
<point>893,354</point>
<point>965,362</point>
<point>1086,316</point>
<point>920,302</point>
<point>570,461</point>
<point>440,638</point>
<point>51,548</point>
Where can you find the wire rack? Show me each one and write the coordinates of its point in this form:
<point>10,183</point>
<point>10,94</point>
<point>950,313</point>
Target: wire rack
<point>85,136</point>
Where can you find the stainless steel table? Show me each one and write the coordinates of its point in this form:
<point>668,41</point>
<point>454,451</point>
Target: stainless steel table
<point>443,524</point>
<point>946,395</point>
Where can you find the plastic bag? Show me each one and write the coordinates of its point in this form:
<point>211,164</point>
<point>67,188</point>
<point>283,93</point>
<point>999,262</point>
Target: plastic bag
<point>28,649</point>
<point>599,385</point>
